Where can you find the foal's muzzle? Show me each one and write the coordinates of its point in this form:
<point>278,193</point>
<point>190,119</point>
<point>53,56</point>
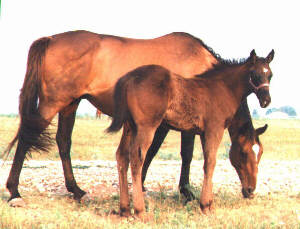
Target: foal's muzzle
<point>264,97</point>
<point>262,93</point>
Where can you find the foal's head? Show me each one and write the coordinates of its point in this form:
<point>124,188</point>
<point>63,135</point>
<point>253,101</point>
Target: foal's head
<point>245,154</point>
<point>260,76</point>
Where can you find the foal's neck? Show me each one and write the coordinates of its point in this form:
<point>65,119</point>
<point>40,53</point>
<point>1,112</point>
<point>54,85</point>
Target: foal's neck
<point>236,79</point>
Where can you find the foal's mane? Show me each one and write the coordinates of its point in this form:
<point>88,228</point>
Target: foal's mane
<point>221,66</point>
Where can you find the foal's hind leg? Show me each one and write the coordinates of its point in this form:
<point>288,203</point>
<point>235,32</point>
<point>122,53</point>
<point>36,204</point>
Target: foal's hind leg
<point>140,145</point>
<point>187,148</point>
<point>122,156</point>
<point>159,137</point>
<point>63,138</point>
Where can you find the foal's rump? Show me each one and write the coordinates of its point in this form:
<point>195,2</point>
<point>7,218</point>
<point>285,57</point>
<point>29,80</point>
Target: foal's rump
<point>141,95</point>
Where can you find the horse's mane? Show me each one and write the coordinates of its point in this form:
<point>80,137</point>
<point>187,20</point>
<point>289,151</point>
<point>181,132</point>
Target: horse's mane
<point>222,63</point>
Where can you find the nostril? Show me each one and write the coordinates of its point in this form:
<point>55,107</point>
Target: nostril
<point>250,190</point>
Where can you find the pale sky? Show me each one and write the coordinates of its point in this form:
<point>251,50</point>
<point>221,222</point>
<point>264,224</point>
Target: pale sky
<point>231,28</point>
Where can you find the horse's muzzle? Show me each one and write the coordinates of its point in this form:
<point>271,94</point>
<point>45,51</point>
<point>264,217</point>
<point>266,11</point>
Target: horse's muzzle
<point>248,192</point>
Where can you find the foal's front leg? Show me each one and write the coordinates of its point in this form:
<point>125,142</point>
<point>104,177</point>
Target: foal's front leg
<point>210,142</point>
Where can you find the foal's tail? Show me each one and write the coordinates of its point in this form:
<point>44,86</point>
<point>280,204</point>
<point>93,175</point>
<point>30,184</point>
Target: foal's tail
<point>31,134</point>
<point>121,112</point>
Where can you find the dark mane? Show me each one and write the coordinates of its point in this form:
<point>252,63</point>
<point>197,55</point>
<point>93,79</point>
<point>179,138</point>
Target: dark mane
<point>222,63</point>
<point>183,34</point>
<point>222,66</point>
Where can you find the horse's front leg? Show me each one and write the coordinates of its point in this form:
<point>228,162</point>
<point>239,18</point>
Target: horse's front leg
<point>210,139</point>
<point>63,139</point>
<point>159,137</point>
<point>187,148</point>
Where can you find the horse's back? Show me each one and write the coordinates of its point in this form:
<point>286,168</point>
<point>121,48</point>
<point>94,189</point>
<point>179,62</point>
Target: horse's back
<point>112,56</point>
<point>86,63</point>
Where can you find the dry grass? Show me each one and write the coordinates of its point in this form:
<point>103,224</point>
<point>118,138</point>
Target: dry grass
<point>90,142</point>
<point>281,141</point>
<point>167,211</point>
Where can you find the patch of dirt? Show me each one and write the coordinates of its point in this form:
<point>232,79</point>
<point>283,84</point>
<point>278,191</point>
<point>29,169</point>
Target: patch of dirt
<point>100,178</point>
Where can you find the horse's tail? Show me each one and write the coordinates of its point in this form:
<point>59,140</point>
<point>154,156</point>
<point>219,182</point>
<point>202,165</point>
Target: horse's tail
<point>121,112</point>
<point>31,133</point>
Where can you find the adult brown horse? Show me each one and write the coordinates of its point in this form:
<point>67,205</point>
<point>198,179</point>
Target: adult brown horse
<point>65,68</point>
<point>205,105</point>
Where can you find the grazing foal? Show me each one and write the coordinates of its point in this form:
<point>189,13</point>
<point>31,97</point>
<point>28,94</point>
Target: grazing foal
<point>204,105</point>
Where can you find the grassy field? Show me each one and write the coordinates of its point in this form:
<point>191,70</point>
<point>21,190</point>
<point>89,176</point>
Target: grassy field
<point>90,142</point>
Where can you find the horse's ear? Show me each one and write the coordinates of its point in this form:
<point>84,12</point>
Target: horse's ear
<point>270,57</point>
<point>252,58</point>
<point>261,130</point>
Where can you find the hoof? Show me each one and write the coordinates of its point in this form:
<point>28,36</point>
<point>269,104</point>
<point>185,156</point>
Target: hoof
<point>17,202</point>
<point>86,198</point>
<point>144,189</point>
<point>207,209</point>
<point>188,194</point>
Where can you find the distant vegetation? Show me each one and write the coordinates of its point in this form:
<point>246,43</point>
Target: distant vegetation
<point>9,115</point>
<point>288,110</point>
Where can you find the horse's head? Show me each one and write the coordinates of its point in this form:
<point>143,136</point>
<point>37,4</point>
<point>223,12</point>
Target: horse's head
<point>260,76</point>
<point>245,154</point>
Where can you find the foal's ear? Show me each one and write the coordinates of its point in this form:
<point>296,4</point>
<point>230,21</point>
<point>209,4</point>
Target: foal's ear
<point>261,130</point>
<point>252,58</point>
<point>270,57</point>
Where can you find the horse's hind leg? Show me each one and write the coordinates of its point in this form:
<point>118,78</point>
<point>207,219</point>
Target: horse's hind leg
<point>14,175</point>
<point>187,148</point>
<point>159,137</point>
<point>66,120</point>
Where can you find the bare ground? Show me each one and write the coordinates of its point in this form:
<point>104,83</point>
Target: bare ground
<point>100,178</point>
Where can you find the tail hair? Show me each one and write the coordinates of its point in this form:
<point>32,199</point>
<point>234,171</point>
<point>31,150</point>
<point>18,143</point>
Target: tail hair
<point>32,132</point>
<point>121,112</point>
